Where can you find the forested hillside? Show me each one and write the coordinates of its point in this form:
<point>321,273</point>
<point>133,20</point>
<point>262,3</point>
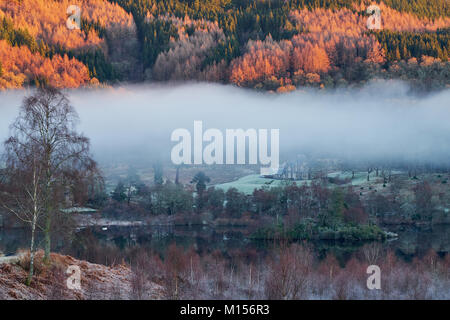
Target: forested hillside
<point>265,44</point>
<point>37,47</point>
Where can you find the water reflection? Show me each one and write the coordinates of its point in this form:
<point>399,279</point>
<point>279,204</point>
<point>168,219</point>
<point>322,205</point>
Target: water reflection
<point>412,242</point>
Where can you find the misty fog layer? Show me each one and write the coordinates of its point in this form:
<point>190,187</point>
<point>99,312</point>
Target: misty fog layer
<point>381,121</point>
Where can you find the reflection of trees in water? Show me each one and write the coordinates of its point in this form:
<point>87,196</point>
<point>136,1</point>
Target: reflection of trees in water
<point>13,239</point>
<point>95,244</point>
<point>413,242</point>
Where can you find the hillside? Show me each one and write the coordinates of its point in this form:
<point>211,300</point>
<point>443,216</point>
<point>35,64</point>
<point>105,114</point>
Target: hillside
<point>270,45</point>
<point>97,281</point>
<point>37,47</point>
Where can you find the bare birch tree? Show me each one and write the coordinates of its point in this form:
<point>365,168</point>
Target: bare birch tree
<point>21,189</point>
<point>45,134</point>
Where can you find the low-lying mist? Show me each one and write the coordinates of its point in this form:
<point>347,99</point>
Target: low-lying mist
<point>381,121</point>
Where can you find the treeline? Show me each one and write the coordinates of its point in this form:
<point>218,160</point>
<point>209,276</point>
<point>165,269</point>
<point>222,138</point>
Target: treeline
<point>405,45</point>
<point>284,272</point>
<point>103,26</point>
<point>279,272</point>
<point>239,20</point>
<point>21,67</point>
<point>94,59</point>
<point>280,45</point>
<point>16,37</point>
<point>323,43</point>
<point>422,8</point>
<point>319,210</point>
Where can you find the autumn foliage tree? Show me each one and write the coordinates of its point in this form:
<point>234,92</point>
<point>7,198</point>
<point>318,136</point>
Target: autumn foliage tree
<point>61,57</point>
<point>272,45</point>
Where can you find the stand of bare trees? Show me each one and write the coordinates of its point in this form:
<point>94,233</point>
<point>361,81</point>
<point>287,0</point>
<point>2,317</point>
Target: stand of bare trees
<point>289,271</point>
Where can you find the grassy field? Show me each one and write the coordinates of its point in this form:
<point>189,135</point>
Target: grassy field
<point>251,182</point>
